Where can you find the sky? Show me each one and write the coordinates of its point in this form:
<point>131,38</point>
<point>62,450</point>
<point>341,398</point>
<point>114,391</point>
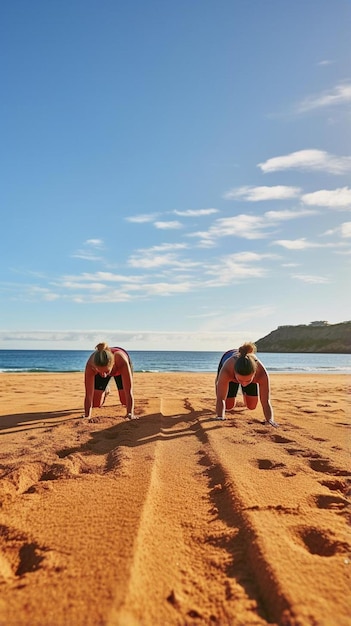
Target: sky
<point>174,175</point>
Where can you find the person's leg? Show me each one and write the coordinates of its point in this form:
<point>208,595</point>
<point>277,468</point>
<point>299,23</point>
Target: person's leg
<point>233,387</point>
<point>231,397</point>
<point>100,390</point>
<point>250,395</point>
<point>121,392</point>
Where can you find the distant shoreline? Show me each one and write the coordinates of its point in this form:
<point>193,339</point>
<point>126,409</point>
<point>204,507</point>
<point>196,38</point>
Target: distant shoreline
<point>172,373</point>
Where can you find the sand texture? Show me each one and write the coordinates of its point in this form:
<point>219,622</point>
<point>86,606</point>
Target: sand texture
<point>174,519</point>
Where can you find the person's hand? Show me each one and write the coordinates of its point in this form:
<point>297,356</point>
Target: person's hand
<point>90,420</point>
<point>271,422</point>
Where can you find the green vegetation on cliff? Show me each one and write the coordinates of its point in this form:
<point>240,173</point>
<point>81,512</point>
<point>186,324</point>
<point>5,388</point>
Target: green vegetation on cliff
<point>314,337</point>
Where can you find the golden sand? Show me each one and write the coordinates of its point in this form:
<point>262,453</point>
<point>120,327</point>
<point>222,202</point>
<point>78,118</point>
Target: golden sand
<point>174,519</point>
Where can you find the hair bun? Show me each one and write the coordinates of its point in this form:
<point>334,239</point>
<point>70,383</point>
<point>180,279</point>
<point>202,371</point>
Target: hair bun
<point>247,348</point>
<point>101,346</point>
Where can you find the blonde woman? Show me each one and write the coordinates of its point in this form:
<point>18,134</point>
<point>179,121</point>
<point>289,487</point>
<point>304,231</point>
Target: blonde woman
<point>242,367</point>
<point>102,365</point>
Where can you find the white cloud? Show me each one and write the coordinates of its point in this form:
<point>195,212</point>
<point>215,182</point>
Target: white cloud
<point>250,257</point>
<point>331,231</point>
<point>316,280</point>
<point>153,258</point>
<point>106,277</point>
<point>107,297</point>
<point>325,62</point>
<point>196,212</point>
<point>281,216</point>
<point>95,243</point>
<point>42,292</point>
<point>168,225</point>
<point>142,219</point>
<point>345,229</point>
<point>51,297</point>
<point>167,289</point>
<point>213,339</point>
<point>152,261</point>
<point>246,226</point>
<point>34,291</point>
<point>340,94</point>
<point>297,244</point>
<point>85,255</point>
<point>237,267</point>
<point>336,198</point>
<point>88,286</point>
<point>308,160</point>
<point>257,194</point>
<point>165,247</point>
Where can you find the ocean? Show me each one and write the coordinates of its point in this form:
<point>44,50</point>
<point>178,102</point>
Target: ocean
<point>170,361</point>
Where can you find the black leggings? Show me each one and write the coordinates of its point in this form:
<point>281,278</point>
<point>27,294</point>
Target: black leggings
<point>250,390</point>
<point>102,382</point>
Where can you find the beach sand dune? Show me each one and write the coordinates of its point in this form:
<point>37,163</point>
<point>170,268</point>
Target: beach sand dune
<point>174,519</point>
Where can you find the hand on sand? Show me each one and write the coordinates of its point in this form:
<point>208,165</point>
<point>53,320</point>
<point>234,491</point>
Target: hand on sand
<point>90,420</point>
<point>271,422</point>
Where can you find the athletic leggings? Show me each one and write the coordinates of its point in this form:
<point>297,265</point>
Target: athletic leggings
<point>101,382</point>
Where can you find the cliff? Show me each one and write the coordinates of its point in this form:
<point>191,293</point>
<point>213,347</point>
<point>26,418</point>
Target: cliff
<point>314,337</point>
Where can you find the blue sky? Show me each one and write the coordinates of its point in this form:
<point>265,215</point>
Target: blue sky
<point>174,175</point>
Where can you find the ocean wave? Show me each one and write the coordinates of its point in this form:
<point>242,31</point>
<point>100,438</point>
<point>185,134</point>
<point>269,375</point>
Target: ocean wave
<point>321,369</point>
<point>36,370</point>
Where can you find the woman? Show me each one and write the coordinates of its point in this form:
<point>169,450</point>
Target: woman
<point>101,366</point>
<point>241,367</point>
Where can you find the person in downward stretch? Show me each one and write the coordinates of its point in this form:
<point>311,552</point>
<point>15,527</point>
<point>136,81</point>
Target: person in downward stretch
<point>242,367</point>
<point>102,365</point>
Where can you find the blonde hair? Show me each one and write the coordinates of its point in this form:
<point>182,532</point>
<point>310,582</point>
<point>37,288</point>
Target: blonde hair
<point>103,355</point>
<point>246,363</point>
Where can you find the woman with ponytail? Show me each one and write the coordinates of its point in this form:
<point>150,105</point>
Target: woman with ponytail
<point>242,367</point>
<point>102,365</point>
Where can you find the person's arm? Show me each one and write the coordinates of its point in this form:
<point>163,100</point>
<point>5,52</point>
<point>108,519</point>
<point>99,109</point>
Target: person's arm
<point>89,379</point>
<point>127,381</point>
<point>222,386</point>
<point>264,386</point>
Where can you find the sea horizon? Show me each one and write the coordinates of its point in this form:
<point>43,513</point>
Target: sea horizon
<point>153,361</point>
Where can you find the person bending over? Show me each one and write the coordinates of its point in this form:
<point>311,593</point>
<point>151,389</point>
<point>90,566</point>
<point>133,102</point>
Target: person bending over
<point>102,365</point>
<point>242,367</point>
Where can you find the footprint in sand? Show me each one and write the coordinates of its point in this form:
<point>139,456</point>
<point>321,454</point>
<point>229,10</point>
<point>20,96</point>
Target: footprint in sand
<point>336,485</point>
<point>296,452</point>
<point>18,554</point>
<point>267,464</point>
<point>324,466</point>
<point>279,439</point>
<point>321,542</point>
<point>336,503</point>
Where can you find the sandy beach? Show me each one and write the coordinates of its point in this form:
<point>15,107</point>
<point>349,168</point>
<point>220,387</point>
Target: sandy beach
<point>174,519</point>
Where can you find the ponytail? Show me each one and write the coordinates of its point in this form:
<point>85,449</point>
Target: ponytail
<point>246,363</point>
<point>103,355</point>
